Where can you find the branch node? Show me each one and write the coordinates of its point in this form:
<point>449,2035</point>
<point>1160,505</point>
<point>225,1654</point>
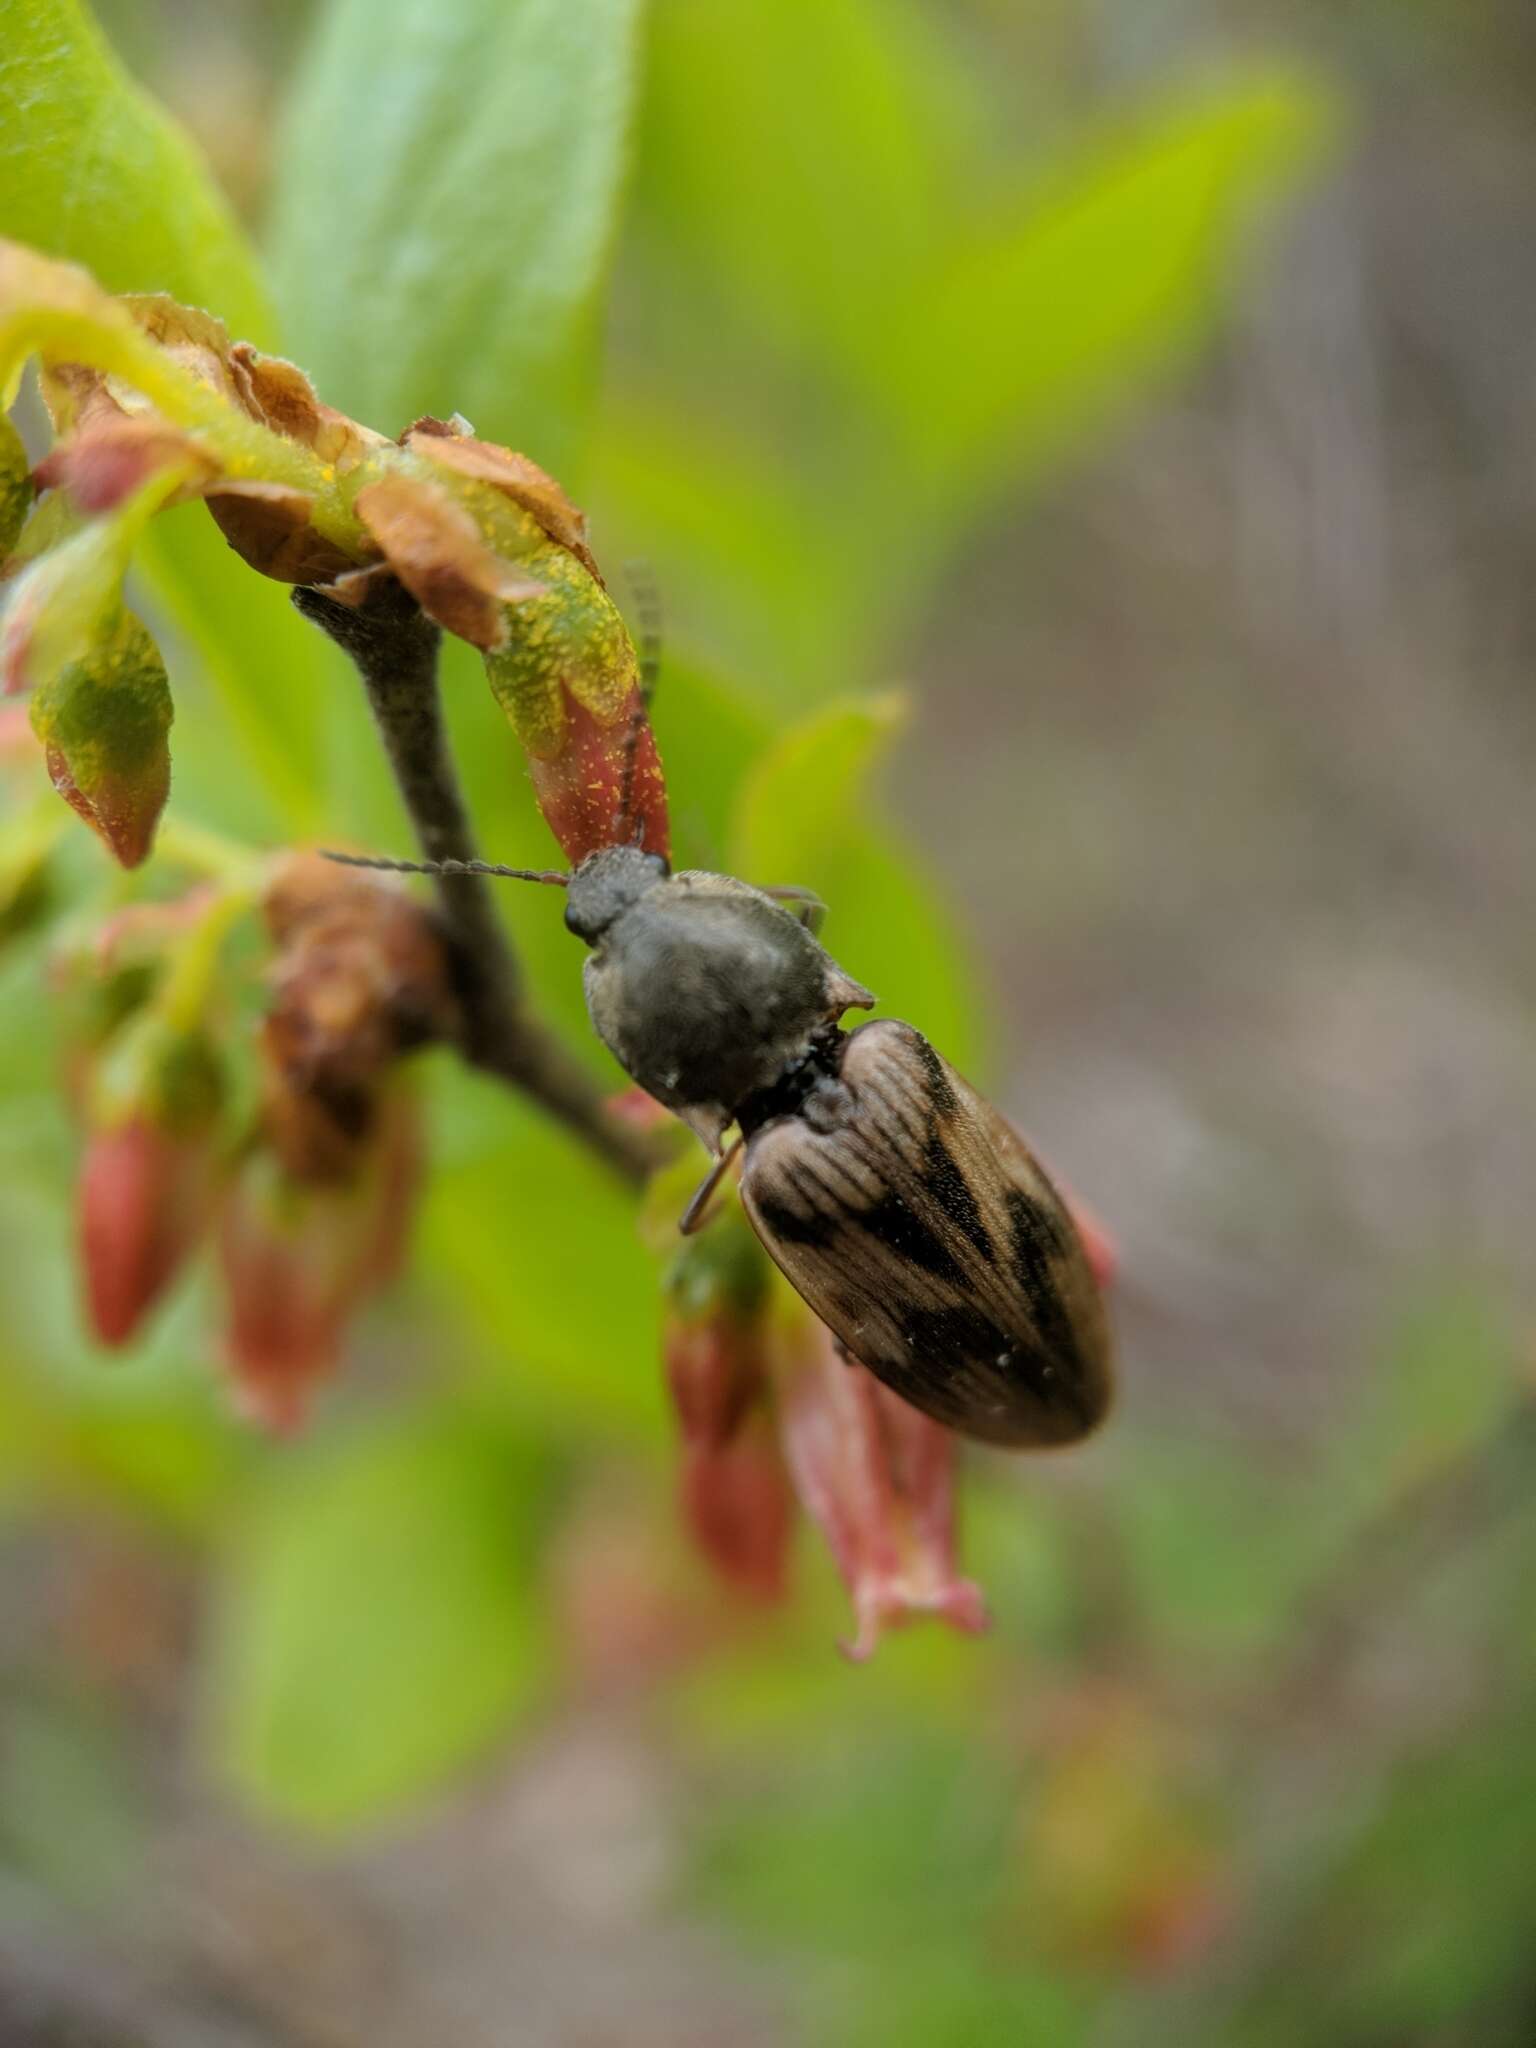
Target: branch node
<point>394,647</point>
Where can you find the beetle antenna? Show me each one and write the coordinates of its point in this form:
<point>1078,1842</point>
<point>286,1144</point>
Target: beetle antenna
<point>648,641</point>
<point>557,877</point>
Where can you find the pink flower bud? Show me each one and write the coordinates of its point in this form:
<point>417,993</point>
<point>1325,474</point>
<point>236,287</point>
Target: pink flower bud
<point>298,1259</point>
<point>714,1372</point>
<point>143,1199</point>
<point>733,1487</point>
<point>878,1479</point>
<point>150,1171</point>
<point>735,1497</point>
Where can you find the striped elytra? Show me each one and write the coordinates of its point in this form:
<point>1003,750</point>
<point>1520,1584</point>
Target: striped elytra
<point>921,1229</point>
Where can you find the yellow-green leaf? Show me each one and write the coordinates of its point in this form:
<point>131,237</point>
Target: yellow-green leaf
<point>446,188</point>
<point>92,169</point>
<point>1069,297</point>
<point>803,817</point>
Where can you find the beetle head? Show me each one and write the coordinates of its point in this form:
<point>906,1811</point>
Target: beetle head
<point>608,883</point>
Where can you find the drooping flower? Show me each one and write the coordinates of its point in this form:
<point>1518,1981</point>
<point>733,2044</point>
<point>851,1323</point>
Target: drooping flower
<point>770,1413</point>
<point>318,1215</point>
<point>298,1258</point>
<point>877,1478</point>
<point>360,978</point>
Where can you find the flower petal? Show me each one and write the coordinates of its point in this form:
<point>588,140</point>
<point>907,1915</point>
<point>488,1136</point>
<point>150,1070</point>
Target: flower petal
<point>106,463</point>
<point>736,1500</point>
<point>298,1260</point>
<point>877,1478</point>
<point>435,549</point>
<point>515,477</point>
<point>271,527</point>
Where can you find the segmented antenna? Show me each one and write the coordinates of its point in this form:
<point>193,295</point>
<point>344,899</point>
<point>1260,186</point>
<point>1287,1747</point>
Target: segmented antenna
<point>555,876</point>
<point>648,624</point>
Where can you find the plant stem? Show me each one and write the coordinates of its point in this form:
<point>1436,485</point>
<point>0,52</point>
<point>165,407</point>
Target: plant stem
<point>394,647</point>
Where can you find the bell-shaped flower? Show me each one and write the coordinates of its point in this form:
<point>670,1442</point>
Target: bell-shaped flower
<point>299,1258</point>
<point>360,977</point>
<point>876,1477</point>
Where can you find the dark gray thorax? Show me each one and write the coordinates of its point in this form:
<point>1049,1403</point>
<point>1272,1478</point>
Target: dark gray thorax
<point>703,988</point>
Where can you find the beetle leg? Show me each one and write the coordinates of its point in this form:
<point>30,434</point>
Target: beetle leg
<point>811,909</point>
<point>697,1213</point>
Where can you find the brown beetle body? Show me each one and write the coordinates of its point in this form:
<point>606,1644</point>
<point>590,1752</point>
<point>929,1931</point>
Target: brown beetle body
<point>896,1201</point>
<point>924,1233</point>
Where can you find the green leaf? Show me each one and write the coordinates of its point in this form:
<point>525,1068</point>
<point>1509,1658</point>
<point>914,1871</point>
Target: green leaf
<point>919,319</point>
<point>537,1252</point>
<point>1449,1376</point>
<point>377,1626</point>
<point>750,552</point>
<point>447,183</point>
<point>805,155</point>
<point>1070,297</point>
<point>709,738</point>
<point>802,818</point>
<point>91,169</point>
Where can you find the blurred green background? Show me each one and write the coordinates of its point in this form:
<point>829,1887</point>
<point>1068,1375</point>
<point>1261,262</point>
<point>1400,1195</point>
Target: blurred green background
<point>1142,388</point>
